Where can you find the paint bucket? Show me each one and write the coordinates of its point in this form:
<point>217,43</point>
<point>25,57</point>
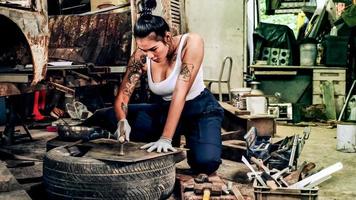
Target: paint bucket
<point>257,105</point>
<point>346,138</point>
<point>308,53</point>
<point>238,98</point>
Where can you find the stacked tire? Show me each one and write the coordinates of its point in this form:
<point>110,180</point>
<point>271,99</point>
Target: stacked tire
<point>70,177</point>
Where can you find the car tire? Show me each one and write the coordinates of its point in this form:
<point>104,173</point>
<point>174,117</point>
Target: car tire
<point>70,177</point>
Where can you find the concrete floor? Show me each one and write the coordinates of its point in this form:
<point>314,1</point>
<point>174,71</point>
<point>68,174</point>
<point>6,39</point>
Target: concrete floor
<point>320,148</point>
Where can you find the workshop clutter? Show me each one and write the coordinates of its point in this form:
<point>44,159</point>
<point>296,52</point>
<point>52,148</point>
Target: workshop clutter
<point>277,155</point>
<point>278,175</point>
<point>204,187</point>
<point>298,184</point>
<point>78,110</point>
<point>276,44</point>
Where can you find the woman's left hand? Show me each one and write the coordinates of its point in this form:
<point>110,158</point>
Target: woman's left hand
<point>161,144</point>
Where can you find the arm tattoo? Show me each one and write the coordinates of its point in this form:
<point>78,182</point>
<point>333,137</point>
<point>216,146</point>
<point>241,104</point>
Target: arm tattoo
<point>124,108</point>
<point>134,72</point>
<point>186,72</point>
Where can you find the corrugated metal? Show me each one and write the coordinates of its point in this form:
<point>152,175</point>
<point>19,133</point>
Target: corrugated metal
<point>101,39</point>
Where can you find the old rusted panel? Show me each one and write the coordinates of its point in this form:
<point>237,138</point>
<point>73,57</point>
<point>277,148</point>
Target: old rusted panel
<point>101,39</point>
<point>27,4</point>
<point>34,27</point>
<point>7,89</point>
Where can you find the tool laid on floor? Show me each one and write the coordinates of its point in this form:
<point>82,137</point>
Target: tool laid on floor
<point>203,186</point>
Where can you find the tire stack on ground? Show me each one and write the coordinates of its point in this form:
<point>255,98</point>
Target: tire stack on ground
<point>69,177</point>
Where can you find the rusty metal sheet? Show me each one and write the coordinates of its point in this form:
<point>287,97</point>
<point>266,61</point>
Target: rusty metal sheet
<point>18,3</point>
<point>133,153</point>
<point>101,39</point>
<point>33,25</point>
<point>8,89</point>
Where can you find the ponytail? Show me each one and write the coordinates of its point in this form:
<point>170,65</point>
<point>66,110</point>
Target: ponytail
<point>148,23</point>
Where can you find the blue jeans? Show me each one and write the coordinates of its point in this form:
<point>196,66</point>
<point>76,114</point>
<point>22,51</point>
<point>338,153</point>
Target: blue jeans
<point>200,123</point>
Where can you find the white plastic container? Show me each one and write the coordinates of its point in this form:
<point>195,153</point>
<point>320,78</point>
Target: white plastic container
<point>346,138</point>
<point>238,98</point>
<point>308,53</point>
<point>257,105</point>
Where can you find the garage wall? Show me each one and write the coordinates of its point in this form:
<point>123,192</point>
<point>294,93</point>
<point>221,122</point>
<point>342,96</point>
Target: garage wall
<point>220,23</point>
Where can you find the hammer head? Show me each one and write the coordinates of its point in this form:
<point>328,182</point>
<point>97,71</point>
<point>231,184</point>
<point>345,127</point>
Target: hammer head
<point>121,137</point>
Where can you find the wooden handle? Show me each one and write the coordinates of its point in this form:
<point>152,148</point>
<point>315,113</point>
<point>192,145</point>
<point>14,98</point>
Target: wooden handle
<point>206,194</point>
<point>260,164</point>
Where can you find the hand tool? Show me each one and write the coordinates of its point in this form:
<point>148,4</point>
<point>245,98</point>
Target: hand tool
<point>121,138</point>
<point>318,176</point>
<point>205,187</point>
<point>295,176</point>
<point>237,193</point>
<point>257,176</point>
<point>293,151</point>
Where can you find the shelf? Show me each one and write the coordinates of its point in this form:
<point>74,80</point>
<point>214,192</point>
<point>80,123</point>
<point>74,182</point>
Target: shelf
<point>284,67</point>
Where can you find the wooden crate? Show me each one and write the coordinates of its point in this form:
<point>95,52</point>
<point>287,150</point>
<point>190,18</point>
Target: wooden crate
<point>339,101</point>
<point>335,76</point>
<point>266,193</point>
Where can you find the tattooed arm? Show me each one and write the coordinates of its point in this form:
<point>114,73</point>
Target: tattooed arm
<point>192,57</point>
<point>132,76</point>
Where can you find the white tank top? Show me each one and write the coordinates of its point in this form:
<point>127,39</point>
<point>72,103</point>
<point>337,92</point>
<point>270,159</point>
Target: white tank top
<point>166,87</point>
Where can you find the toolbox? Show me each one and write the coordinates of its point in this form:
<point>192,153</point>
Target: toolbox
<point>281,193</point>
<point>257,146</point>
<point>279,155</point>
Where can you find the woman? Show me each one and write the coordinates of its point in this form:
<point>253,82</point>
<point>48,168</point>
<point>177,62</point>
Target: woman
<point>174,72</point>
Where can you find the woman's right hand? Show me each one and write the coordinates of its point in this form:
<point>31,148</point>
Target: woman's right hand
<point>123,131</point>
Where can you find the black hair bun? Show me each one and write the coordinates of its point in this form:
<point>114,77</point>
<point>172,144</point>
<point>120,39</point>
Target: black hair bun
<point>150,4</point>
<point>147,6</point>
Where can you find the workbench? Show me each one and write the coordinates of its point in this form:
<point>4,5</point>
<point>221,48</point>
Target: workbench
<point>302,84</point>
<point>265,124</point>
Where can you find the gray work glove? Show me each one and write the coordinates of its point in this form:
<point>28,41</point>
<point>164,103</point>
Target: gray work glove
<point>123,131</point>
<point>161,144</point>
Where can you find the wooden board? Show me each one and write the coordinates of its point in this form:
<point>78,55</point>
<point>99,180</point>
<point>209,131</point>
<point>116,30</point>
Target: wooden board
<point>7,180</point>
<point>17,194</point>
<point>233,149</point>
<point>133,153</point>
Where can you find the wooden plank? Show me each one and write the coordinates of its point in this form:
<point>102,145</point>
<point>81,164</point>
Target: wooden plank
<point>14,78</point>
<point>233,149</point>
<point>7,180</point>
<point>17,194</point>
<point>329,100</point>
<point>28,173</point>
<point>276,73</point>
<point>232,135</point>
